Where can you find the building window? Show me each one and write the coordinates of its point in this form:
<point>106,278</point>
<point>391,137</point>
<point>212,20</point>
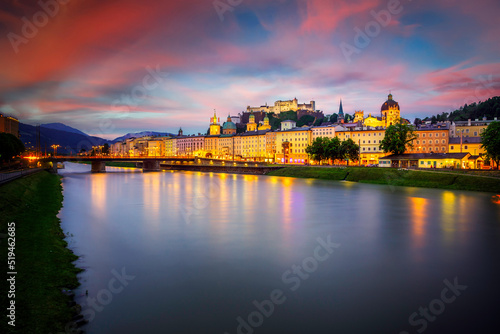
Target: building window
<point>465,147</point>
<point>452,147</point>
<point>475,133</point>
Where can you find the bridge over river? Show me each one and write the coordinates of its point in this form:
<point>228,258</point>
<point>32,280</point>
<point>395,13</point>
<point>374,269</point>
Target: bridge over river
<point>156,164</point>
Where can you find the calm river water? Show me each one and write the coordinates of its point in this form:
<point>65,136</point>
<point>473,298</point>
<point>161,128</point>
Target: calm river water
<point>180,252</point>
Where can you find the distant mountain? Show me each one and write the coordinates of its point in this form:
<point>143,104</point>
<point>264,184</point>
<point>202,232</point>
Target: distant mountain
<point>70,142</point>
<point>62,127</point>
<point>142,134</point>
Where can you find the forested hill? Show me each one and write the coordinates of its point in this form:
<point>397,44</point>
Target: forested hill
<point>489,108</point>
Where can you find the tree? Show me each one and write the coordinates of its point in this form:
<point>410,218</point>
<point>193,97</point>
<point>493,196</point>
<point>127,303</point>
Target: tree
<point>417,121</point>
<point>348,118</point>
<point>349,150</point>
<point>318,149</point>
<point>10,146</point>
<point>105,148</point>
<point>288,115</point>
<point>305,120</point>
<point>397,138</point>
<point>318,121</point>
<point>334,118</point>
<point>333,149</point>
<point>490,141</point>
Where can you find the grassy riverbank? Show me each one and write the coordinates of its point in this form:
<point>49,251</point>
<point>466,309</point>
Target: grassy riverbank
<point>394,177</point>
<point>42,261</point>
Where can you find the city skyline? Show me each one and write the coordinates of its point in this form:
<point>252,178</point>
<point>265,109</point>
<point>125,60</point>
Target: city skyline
<point>117,67</point>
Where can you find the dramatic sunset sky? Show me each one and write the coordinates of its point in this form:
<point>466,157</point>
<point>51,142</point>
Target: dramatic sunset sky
<point>88,64</point>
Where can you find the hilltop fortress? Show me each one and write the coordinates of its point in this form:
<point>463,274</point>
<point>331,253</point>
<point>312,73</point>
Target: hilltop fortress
<point>282,106</point>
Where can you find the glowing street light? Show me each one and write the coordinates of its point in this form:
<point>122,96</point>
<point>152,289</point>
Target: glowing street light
<point>55,149</point>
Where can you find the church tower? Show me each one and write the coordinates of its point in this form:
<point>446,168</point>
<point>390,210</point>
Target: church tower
<point>341,111</point>
<point>390,111</point>
<point>214,125</point>
<point>251,125</point>
<point>266,125</point>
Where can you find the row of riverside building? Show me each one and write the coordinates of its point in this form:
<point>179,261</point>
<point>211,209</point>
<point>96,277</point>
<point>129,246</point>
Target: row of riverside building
<point>260,143</point>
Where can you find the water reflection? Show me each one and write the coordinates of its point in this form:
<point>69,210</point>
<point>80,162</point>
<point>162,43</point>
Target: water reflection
<point>203,247</point>
<point>419,208</point>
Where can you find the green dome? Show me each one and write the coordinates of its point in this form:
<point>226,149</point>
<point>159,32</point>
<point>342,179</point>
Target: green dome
<point>229,126</point>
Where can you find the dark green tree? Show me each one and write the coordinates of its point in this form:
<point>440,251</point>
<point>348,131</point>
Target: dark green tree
<point>318,149</point>
<point>349,150</point>
<point>10,146</point>
<point>397,138</point>
<point>318,121</point>
<point>274,121</point>
<point>288,115</point>
<point>305,120</point>
<point>333,149</point>
<point>490,141</point>
<point>105,148</point>
<point>334,118</point>
<point>348,118</point>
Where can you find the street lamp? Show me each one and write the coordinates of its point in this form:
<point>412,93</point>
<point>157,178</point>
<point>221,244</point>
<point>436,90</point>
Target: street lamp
<point>55,149</point>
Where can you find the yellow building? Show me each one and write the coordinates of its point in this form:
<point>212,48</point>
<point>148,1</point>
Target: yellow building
<point>471,145</point>
<point>251,125</point>
<point>368,139</point>
<point>323,131</point>
<point>10,125</point>
<point>469,128</point>
<point>170,146</point>
<point>271,145</point>
<point>226,146</point>
<point>212,146</point>
<point>156,148</point>
<point>266,125</point>
<point>253,145</point>
<point>298,140</point>
<point>426,160</point>
<point>390,111</point>
<point>448,160</point>
<point>389,115</point>
<point>214,125</point>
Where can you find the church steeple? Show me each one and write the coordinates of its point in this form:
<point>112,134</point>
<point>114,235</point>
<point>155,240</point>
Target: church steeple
<point>341,110</point>
<point>214,119</point>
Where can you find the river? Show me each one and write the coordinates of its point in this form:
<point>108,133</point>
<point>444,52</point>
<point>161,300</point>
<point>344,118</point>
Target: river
<point>189,252</point>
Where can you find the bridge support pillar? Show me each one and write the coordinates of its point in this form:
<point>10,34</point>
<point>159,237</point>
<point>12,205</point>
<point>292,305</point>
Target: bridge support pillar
<point>51,166</point>
<point>151,166</point>
<point>98,166</point>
